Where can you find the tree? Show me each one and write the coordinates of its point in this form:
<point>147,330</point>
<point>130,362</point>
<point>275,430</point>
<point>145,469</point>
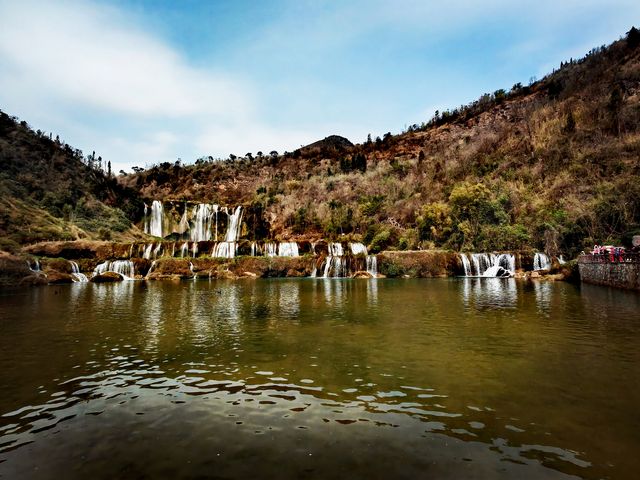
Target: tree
<point>633,37</point>
<point>273,153</point>
<point>109,169</point>
<point>232,157</point>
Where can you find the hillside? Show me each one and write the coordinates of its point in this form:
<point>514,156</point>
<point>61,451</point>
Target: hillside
<point>49,191</point>
<point>553,166</point>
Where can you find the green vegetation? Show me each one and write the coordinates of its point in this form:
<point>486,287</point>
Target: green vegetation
<point>50,191</point>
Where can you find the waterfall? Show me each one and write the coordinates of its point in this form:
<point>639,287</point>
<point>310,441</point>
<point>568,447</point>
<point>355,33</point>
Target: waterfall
<point>335,249</point>
<point>194,249</point>
<point>288,249</point>
<point>488,264</point>
<point>183,226</point>
<point>123,267</point>
<point>36,266</point>
<point>76,274</point>
<point>203,214</point>
<point>147,252</point>
<point>358,248</point>
<point>334,265</point>
<point>541,261</point>
<point>153,225</point>
<point>253,249</point>
<point>153,265</point>
<point>466,264</point>
<point>372,265</point>
<point>224,250</point>
<point>561,260</point>
<point>233,227</point>
<point>157,250</point>
<point>184,249</point>
<point>270,249</point>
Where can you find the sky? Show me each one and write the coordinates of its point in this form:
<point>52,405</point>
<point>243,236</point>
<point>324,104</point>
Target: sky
<point>142,82</point>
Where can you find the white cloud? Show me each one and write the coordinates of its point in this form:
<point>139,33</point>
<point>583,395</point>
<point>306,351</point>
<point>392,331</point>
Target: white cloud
<point>90,55</point>
<point>84,71</point>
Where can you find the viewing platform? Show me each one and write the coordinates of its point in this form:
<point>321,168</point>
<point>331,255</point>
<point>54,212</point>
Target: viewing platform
<point>620,271</point>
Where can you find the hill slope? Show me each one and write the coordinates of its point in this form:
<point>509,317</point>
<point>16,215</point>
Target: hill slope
<point>554,166</point>
<point>49,191</point>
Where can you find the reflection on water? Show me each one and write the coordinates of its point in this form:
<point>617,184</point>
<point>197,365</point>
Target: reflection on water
<point>489,292</point>
<point>456,378</point>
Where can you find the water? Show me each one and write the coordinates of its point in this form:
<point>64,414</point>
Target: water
<point>153,225</point>
<point>488,264</point>
<point>541,261</point>
<point>126,268</point>
<point>320,378</point>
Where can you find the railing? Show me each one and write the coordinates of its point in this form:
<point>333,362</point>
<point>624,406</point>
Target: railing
<point>610,258</point>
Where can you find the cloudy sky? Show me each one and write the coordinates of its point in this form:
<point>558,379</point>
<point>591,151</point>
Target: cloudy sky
<point>142,81</point>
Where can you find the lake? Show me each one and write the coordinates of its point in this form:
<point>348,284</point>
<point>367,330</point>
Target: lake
<point>320,378</point>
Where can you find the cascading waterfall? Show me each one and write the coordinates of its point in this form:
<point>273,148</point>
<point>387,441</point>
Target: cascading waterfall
<point>194,249</point>
<point>224,250</point>
<point>157,250</point>
<point>253,249</point>
<point>334,263</point>
<point>154,225</point>
<point>466,265</point>
<point>233,227</point>
<point>183,226</point>
<point>372,265</point>
<point>270,249</point>
<point>488,264</point>
<point>203,214</point>
<point>147,252</point>
<point>358,248</point>
<point>184,250</point>
<point>228,248</point>
<point>541,261</point>
<point>76,274</point>
<point>126,268</point>
<point>288,249</point>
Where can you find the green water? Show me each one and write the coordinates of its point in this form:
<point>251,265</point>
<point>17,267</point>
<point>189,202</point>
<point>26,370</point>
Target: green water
<point>457,378</point>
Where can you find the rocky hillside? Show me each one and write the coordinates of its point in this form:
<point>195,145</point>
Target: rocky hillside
<point>553,166</point>
<point>50,191</point>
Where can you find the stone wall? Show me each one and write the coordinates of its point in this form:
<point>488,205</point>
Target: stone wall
<point>600,270</point>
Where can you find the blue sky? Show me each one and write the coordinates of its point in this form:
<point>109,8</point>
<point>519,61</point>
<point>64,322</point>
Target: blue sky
<point>141,82</point>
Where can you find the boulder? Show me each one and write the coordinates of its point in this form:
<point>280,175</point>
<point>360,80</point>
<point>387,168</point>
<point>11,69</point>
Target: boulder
<point>54,277</point>
<point>35,279</point>
<point>13,269</point>
<point>107,277</point>
<point>362,274</point>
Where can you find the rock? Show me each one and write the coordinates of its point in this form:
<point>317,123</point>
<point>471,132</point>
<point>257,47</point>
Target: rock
<point>294,273</point>
<point>361,274</point>
<point>249,274</point>
<point>13,269</point>
<point>534,275</point>
<point>635,241</point>
<point>55,277</point>
<point>107,277</point>
<point>227,274</point>
<point>35,279</point>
